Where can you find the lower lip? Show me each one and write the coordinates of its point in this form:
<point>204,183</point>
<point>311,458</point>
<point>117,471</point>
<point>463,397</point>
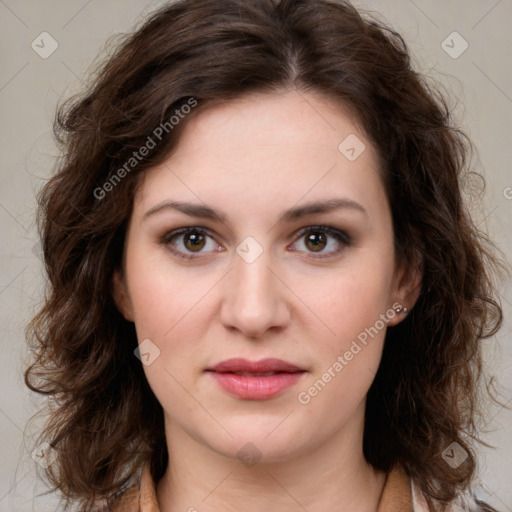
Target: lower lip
<point>256,388</point>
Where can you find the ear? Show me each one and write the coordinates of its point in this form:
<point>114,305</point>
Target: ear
<point>408,287</point>
<point>121,296</point>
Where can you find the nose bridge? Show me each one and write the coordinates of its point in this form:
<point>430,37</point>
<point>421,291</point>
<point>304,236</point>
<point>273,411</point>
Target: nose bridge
<point>253,301</point>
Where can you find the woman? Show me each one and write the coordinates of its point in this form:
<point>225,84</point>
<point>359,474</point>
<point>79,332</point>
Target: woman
<point>266,291</point>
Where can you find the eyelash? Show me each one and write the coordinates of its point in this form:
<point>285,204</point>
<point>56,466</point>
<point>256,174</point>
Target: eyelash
<point>340,236</point>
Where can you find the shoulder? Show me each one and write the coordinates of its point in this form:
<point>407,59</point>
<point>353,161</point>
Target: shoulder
<point>138,497</point>
<point>129,498</point>
<point>128,501</point>
<point>464,503</point>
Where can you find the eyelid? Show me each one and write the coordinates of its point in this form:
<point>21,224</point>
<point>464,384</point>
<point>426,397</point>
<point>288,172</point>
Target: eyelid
<point>324,228</point>
<point>167,237</point>
<point>340,235</point>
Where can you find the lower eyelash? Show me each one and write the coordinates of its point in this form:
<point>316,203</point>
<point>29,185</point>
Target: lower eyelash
<point>166,240</point>
<point>341,236</point>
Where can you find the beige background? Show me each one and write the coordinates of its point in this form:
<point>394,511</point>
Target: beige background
<point>480,79</point>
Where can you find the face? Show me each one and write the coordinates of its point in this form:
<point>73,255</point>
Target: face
<point>269,278</point>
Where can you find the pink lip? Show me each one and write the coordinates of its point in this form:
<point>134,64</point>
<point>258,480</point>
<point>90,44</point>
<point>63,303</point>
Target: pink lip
<point>270,364</point>
<point>255,387</point>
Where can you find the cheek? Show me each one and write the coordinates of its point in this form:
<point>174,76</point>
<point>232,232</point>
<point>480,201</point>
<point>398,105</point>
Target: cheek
<point>347,359</point>
<point>348,301</point>
<point>163,296</point>
<point>353,308</point>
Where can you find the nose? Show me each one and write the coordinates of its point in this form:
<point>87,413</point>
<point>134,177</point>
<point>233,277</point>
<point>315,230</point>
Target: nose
<point>254,298</point>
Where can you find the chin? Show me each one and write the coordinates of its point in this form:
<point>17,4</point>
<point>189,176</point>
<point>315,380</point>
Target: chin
<point>256,443</point>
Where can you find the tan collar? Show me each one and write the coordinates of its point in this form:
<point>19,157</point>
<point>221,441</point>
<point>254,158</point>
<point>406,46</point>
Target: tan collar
<point>141,497</point>
<point>396,495</point>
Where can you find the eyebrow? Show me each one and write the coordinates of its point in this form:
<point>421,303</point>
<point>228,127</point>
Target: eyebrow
<point>206,212</point>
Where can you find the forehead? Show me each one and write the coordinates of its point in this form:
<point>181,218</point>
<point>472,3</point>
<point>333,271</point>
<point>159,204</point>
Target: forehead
<point>267,149</point>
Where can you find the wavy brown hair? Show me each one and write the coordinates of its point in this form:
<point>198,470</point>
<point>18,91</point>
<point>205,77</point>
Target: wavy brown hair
<point>105,420</point>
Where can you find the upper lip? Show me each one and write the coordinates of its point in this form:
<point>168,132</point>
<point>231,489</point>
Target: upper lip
<point>262,366</point>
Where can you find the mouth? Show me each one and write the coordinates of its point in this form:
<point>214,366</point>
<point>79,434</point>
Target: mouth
<point>255,374</point>
<point>264,367</point>
<point>260,380</point>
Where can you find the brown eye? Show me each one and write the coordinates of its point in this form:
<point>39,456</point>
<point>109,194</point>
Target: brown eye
<point>194,241</point>
<point>316,241</point>
<point>318,238</point>
<point>186,243</point>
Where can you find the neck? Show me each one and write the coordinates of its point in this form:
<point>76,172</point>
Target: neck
<point>330,475</point>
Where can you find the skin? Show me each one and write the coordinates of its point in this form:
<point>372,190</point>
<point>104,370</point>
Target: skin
<point>253,158</point>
